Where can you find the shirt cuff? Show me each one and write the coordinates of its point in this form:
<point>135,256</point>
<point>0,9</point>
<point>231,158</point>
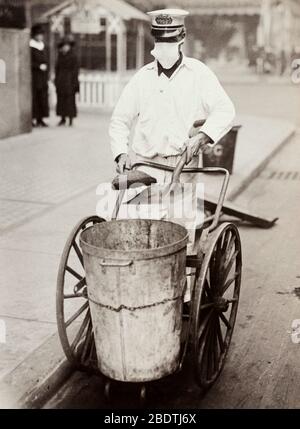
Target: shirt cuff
<point>215,134</point>
<point>209,132</point>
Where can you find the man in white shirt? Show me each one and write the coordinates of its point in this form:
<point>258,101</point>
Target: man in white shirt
<point>165,98</point>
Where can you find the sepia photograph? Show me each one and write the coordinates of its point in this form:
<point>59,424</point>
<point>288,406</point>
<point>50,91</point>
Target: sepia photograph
<point>150,207</point>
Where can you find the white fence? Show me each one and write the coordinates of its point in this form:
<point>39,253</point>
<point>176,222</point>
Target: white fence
<point>101,90</point>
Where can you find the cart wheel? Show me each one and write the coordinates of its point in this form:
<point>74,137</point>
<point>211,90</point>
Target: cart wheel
<point>72,307</point>
<point>215,303</point>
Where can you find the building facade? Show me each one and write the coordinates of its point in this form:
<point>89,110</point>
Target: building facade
<point>110,34</point>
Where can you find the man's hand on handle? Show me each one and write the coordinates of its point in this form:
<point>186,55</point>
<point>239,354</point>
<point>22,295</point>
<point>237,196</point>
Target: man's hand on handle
<point>196,144</point>
<point>123,162</point>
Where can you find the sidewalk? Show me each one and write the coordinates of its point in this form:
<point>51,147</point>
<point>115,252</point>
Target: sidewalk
<point>48,182</point>
<point>258,140</point>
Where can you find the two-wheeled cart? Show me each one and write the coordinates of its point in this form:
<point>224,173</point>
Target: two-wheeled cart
<point>120,294</point>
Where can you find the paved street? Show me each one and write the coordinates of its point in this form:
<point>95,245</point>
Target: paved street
<point>48,182</point>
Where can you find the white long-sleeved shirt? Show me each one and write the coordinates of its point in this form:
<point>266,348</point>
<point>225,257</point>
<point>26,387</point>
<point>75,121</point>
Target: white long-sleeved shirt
<point>166,108</point>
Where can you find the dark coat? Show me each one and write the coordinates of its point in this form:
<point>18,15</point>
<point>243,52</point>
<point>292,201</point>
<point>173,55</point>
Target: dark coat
<point>39,77</point>
<point>40,102</point>
<point>67,84</point>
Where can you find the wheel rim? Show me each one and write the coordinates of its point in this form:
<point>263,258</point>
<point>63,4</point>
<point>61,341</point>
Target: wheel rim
<point>215,303</point>
<point>72,307</point>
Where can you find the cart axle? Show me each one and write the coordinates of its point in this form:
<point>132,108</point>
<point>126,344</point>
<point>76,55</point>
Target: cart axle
<point>221,304</point>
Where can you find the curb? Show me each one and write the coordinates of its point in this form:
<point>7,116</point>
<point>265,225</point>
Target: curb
<point>36,378</point>
<point>236,191</point>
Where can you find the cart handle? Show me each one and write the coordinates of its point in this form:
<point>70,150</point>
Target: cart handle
<point>179,167</point>
<point>188,170</point>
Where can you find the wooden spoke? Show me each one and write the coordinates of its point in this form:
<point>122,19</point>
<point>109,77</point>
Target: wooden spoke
<point>209,349</point>
<point>214,270</point>
<point>220,336</point>
<point>81,331</point>
<point>87,341</point>
<point>78,252</point>
<point>228,252</point>
<point>229,265</point>
<point>228,243</point>
<point>229,282</point>
<point>77,314</point>
<point>73,272</point>
<point>75,295</point>
<point>227,237</point>
<point>207,290</point>
<point>203,355</point>
<point>207,361</point>
<point>204,323</point>
<point>212,278</point>
<point>206,306</point>
<point>225,321</point>
<point>79,285</point>
<point>215,348</point>
<point>232,301</point>
<point>213,274</point>
<point>219,254</point>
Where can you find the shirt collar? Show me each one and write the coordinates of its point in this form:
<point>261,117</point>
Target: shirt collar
<point>37,45</point>
<point>185,62</point>
<point>171,71</point>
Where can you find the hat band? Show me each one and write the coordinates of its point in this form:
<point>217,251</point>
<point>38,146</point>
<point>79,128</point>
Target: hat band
<point>170,31</point>
<point>167,27</point>
<point>167,32</point>
<point>168,37</point>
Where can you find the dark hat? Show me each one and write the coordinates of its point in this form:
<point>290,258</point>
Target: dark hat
<point>67,40</point>
<point>167,25</point>
<point>37,29</point>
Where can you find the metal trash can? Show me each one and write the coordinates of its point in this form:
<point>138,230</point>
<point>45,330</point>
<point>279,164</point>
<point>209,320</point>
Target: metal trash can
<point>136,275</point>
<point>222,154</point>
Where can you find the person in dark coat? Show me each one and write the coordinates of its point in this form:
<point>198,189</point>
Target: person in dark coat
<point>66,81</point>
<point>39,70</point>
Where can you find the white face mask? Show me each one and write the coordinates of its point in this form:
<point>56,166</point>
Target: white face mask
<point>166,53</point>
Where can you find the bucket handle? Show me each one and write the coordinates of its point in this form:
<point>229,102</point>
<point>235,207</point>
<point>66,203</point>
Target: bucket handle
<point>104,263</point>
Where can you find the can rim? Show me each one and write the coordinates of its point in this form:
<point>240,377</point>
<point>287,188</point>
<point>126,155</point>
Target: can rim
<point>135,254</point>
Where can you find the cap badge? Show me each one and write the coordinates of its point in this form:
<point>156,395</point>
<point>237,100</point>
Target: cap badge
<point>164,20</point>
